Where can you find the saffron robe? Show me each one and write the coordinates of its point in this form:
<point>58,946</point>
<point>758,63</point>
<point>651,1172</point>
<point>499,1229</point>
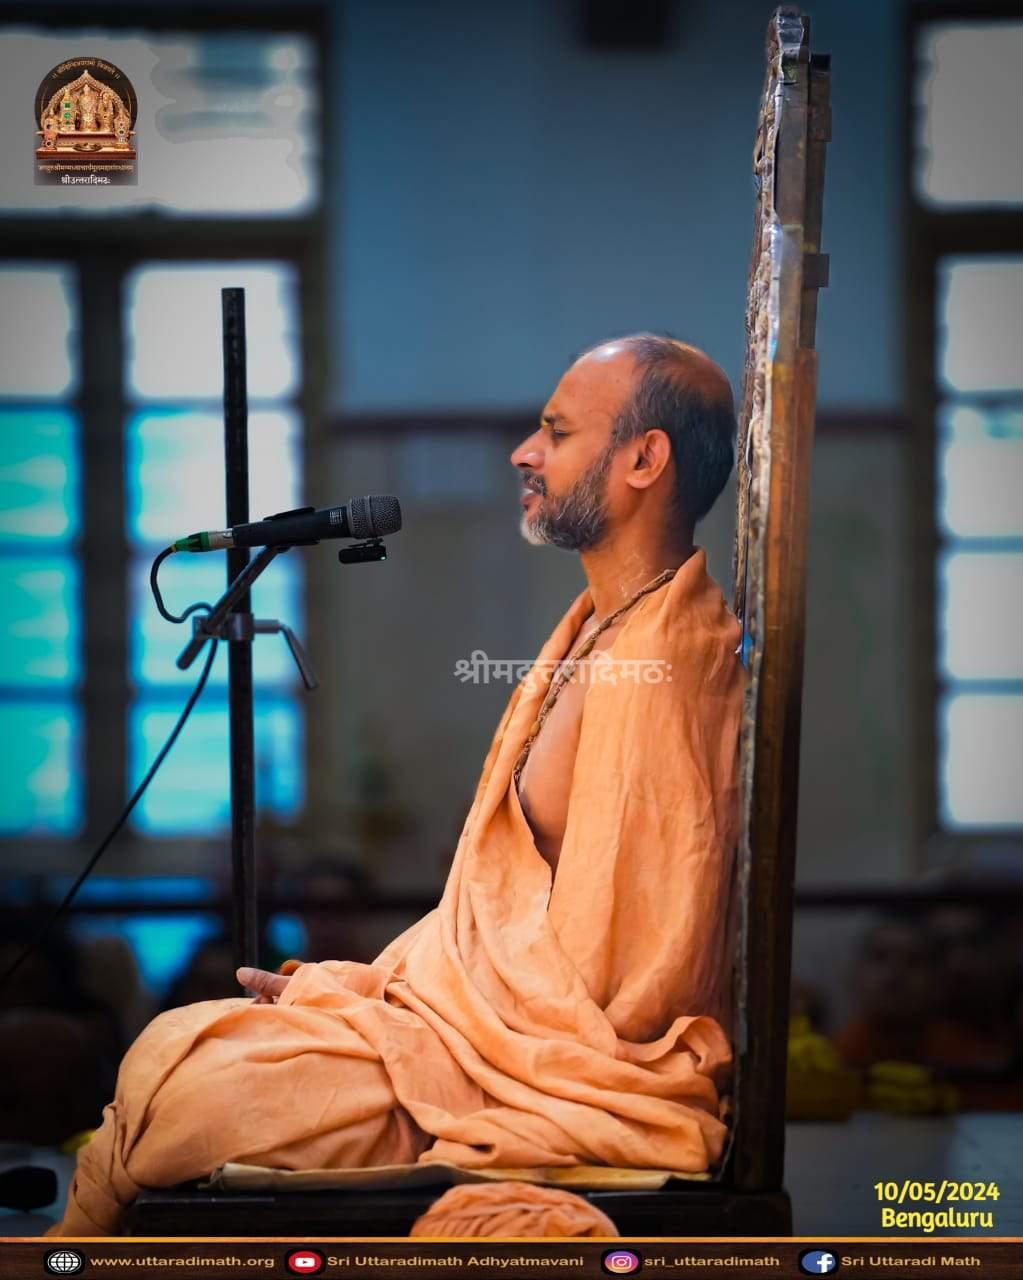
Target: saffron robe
<point>531,1019</point>
<point>511,1209</point>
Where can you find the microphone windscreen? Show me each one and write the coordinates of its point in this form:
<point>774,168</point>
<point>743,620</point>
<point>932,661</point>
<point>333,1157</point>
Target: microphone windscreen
<point>374,516</point>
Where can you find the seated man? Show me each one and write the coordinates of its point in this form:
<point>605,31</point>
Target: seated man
<point>567,1001</point>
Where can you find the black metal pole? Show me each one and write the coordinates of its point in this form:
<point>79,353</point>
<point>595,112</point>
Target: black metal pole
<point>239,651</point>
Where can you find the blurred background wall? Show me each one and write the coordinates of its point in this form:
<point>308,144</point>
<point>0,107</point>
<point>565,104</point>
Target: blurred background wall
<point>508,196</point>
<point>433,206</point>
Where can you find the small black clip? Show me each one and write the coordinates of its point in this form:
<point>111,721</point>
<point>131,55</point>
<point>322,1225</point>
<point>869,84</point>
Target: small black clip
<point>363,552</point>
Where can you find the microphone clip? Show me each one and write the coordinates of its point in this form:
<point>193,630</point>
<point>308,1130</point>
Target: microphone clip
<point>363,552</point>
<point>244,627</point>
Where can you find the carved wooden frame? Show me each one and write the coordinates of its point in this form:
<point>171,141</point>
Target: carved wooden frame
<point>775,437</point>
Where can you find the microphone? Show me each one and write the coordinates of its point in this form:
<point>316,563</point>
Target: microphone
<point>370,517</point>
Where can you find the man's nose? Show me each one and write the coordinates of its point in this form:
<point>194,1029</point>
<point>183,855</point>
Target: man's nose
<point>527,455</point>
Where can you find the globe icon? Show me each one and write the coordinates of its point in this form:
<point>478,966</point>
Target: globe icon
<point>64,1262</point>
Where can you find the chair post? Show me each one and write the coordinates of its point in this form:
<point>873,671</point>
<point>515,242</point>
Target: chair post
<point>769,569</point>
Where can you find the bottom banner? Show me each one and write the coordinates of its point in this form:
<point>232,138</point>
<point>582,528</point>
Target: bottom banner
<point>718,1258</point>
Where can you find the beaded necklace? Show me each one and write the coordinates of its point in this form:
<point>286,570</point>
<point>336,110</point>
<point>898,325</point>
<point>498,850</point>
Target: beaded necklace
<point>567,668</point>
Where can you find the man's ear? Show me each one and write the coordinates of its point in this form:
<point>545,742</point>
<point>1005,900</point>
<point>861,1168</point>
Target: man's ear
<point>653,454</point>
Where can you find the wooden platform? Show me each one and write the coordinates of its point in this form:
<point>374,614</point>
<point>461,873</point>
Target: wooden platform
<point>700,1211</point>
<point>830,1171</point>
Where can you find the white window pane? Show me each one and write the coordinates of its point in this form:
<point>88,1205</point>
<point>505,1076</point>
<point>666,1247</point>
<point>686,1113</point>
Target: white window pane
<point>981,472</point>
<point>969,140</point>
<point>154,643</point>
<point>979,622</point>
<point>980,768</point>
<point>175,471</point>
<point>175,330</point>
<point>980,323</point>
<point>228,123</point>
<point>38,350</point>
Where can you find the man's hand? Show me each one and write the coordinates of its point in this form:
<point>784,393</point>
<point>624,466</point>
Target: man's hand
<point>267,986</point>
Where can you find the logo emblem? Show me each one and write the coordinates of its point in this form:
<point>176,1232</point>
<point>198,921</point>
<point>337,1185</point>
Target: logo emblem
<point>63,1262</point>
<point>817,1262</point>
<point>305,1262</point>
<point>621,1262</point>
<point>85,116</point>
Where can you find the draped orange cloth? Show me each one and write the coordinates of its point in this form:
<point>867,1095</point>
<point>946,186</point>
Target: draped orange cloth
<point>518,1024</point>
<point>511,1209</point>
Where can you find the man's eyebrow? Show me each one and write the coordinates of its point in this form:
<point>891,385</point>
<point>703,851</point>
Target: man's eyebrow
<point>551,419</point>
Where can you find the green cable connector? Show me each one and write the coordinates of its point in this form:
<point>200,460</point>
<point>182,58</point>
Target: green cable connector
<point>194,542</point>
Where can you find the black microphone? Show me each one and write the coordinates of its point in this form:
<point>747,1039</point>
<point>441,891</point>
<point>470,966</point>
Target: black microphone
<point>370,517</point>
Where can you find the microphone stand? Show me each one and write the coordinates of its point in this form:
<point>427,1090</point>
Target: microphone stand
<point>231,620</point>
<point>239,648</point>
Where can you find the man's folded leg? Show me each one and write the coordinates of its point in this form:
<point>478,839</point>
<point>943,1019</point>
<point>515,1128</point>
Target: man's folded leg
<point>286,1086</point>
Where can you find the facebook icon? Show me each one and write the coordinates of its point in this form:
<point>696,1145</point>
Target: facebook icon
<point>817,1262</point>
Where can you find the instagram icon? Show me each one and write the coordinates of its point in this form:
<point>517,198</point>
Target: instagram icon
<point>621,1262</point>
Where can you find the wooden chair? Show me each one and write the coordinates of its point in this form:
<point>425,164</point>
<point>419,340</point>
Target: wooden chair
<point>773,472</point>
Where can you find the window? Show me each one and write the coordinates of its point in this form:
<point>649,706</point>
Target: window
<point>112,444</point>
<point>966,253</point>
<point>40,586</point>
<point>969,146</point>
<point>174,466</point>
<point>228,121</point>
<point>173,484</point>
<point>980,562</point>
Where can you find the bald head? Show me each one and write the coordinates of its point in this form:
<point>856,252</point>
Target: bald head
<point>692,368</point>
<point>676,388</point>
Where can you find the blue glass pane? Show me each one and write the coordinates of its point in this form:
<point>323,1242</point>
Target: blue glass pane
<point>136,888</point>
<point>155,643</point>
<point>39,621</point>
<point>40,344</point>
<point>39,764</point>
<point>175,470</point>
<point>287,935</point>
<point>163,945</point>
<point>39,474</point>
<point>981,740</point>
<point>174,330</point>
<point>190,794</point>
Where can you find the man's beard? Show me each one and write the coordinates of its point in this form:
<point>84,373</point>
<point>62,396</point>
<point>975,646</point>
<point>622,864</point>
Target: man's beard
<point>576,522</point>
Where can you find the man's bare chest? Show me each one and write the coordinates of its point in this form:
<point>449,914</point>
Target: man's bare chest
<point>545,783</point>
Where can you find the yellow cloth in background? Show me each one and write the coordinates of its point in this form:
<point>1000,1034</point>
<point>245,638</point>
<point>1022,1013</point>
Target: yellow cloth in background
<point>511,1209</point>
<point>514,1025</point>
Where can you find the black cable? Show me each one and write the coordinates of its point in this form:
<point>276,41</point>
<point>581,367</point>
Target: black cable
<point>186,712</point>
<point>171,617</point>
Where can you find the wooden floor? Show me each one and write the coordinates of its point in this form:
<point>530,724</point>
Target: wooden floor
<point>831,1169</point>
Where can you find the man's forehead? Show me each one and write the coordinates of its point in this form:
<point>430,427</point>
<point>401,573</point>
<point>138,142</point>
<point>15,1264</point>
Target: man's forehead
<point>602,375</point>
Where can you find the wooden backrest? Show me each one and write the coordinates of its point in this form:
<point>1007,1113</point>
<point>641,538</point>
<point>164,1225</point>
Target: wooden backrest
<point>773,455</point>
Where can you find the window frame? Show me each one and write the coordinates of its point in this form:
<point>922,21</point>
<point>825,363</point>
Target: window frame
<point>933,233</point>
<point>117,245</point>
